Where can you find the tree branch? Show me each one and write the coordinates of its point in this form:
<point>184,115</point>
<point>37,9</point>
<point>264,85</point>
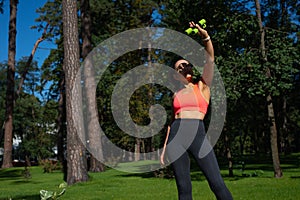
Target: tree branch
<point>23,76</point>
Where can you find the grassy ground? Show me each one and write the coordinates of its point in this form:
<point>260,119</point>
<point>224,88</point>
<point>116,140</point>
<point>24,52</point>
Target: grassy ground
<point>254,182</point>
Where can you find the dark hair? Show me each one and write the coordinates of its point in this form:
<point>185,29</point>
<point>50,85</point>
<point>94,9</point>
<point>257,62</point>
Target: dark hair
<point>175,59</point>
<point>187,69</point>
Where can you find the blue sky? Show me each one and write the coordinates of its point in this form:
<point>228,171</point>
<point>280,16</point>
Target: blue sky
<point>26,37</point>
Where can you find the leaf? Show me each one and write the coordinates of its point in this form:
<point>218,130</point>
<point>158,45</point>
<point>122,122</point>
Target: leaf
<point>62,192</point>
<point>62,185</point>
<point>45,194</point>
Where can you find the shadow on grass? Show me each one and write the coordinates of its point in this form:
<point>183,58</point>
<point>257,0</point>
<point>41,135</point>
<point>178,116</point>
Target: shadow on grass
<point>11,173</point>
<point>141,175</point>
<point>295,177</point>
<point>20,197</point>
<point>244,167</point>
<point>24,181</point>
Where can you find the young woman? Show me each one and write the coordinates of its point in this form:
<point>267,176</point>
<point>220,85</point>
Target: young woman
<point>187,132</point>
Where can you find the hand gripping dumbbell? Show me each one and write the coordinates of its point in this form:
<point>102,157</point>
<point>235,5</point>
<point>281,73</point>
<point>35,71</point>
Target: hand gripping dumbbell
<point>202,23</point>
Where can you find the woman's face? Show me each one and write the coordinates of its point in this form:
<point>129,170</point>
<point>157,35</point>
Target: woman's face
<point>178,65</point>
<point>185,68</point>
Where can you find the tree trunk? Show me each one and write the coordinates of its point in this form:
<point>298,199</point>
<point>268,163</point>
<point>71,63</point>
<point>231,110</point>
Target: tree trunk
<point>229,157</point>
<point>271,116</point>
<point>60,121</point>
<point>10,91</point>
<point>273,137</point>
<point>90,90</point>
<point>96,165</point>
<point>137,149</point>
<point>76,155</point>
<point>285,143</point>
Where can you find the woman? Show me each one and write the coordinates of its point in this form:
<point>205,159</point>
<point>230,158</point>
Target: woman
<point>187,132</point>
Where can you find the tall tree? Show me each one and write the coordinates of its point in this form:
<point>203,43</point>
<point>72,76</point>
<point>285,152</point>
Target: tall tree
<point>53,75</point>
<point>127,15</point>
<point>10,91</point>
<point>76,155</point>
<point>90,85</point>
<point>3,74</point>
<point>271,115</point>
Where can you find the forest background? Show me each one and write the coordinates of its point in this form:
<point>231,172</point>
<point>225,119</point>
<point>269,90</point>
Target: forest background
<point>257,53</point>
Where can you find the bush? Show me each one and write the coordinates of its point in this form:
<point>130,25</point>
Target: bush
<point>49,165</point>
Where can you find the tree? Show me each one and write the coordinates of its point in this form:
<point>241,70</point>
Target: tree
<point>33,121</point>
<point>3,68</point>
<point>29,61</point>
<point>257,69</point>
<point>271,114</point>
<point>90,85</point>
<point>10,91</point>
<point>24,70</point>
<point>76,155</point>
<point>33,124</point>
<point>128,15</point>
<point>53,74</point>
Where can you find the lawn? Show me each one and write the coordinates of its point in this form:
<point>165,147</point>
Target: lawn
<point>254,182</point>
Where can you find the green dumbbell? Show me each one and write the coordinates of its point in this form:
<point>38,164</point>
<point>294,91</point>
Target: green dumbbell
<point>202,23</point>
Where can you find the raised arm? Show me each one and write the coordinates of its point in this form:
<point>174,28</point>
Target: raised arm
<point>208,70</point>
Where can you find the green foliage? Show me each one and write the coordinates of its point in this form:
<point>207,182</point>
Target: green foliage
<point>50,14</point>
<point>32,79</point>
<point>49,165</point>
<point>235,33</point>
<point>36,133</point>
<point>127,15</point>
<point>45,194</point>
<point>26,173</point>
<point>34,123</point>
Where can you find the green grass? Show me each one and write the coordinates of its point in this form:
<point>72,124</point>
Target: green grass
<point>255,182</point>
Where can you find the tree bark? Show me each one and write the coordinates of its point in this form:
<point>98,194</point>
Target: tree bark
<point>137,149</point>
<point>10,84</point>
<point>76,155</point>
<point>61,118</point>
<point>90,90</point>
<point>285,141</point>
<point>271,116</point>
<point>229,157</point>
<point>273,137</point>
<point>10,91</point>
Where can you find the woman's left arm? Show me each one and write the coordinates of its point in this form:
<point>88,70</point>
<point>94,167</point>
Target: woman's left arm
<point>208,70</point>
<point>162,156</point>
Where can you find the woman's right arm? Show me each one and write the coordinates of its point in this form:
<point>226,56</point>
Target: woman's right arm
<point>208,70</point>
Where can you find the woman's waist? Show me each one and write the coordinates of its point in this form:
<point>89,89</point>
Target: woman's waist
<point>190,114</point>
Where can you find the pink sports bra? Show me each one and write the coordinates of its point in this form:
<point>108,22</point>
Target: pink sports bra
<point>190,101</point>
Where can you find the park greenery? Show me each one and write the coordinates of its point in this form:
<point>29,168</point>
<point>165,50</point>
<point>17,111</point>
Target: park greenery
<point>257,53</point>
<point>253,179</point>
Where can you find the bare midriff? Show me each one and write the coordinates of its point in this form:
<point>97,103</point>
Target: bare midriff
<point>190,114</point>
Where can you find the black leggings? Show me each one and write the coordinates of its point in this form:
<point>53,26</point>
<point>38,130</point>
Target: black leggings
<point>188,135</point>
